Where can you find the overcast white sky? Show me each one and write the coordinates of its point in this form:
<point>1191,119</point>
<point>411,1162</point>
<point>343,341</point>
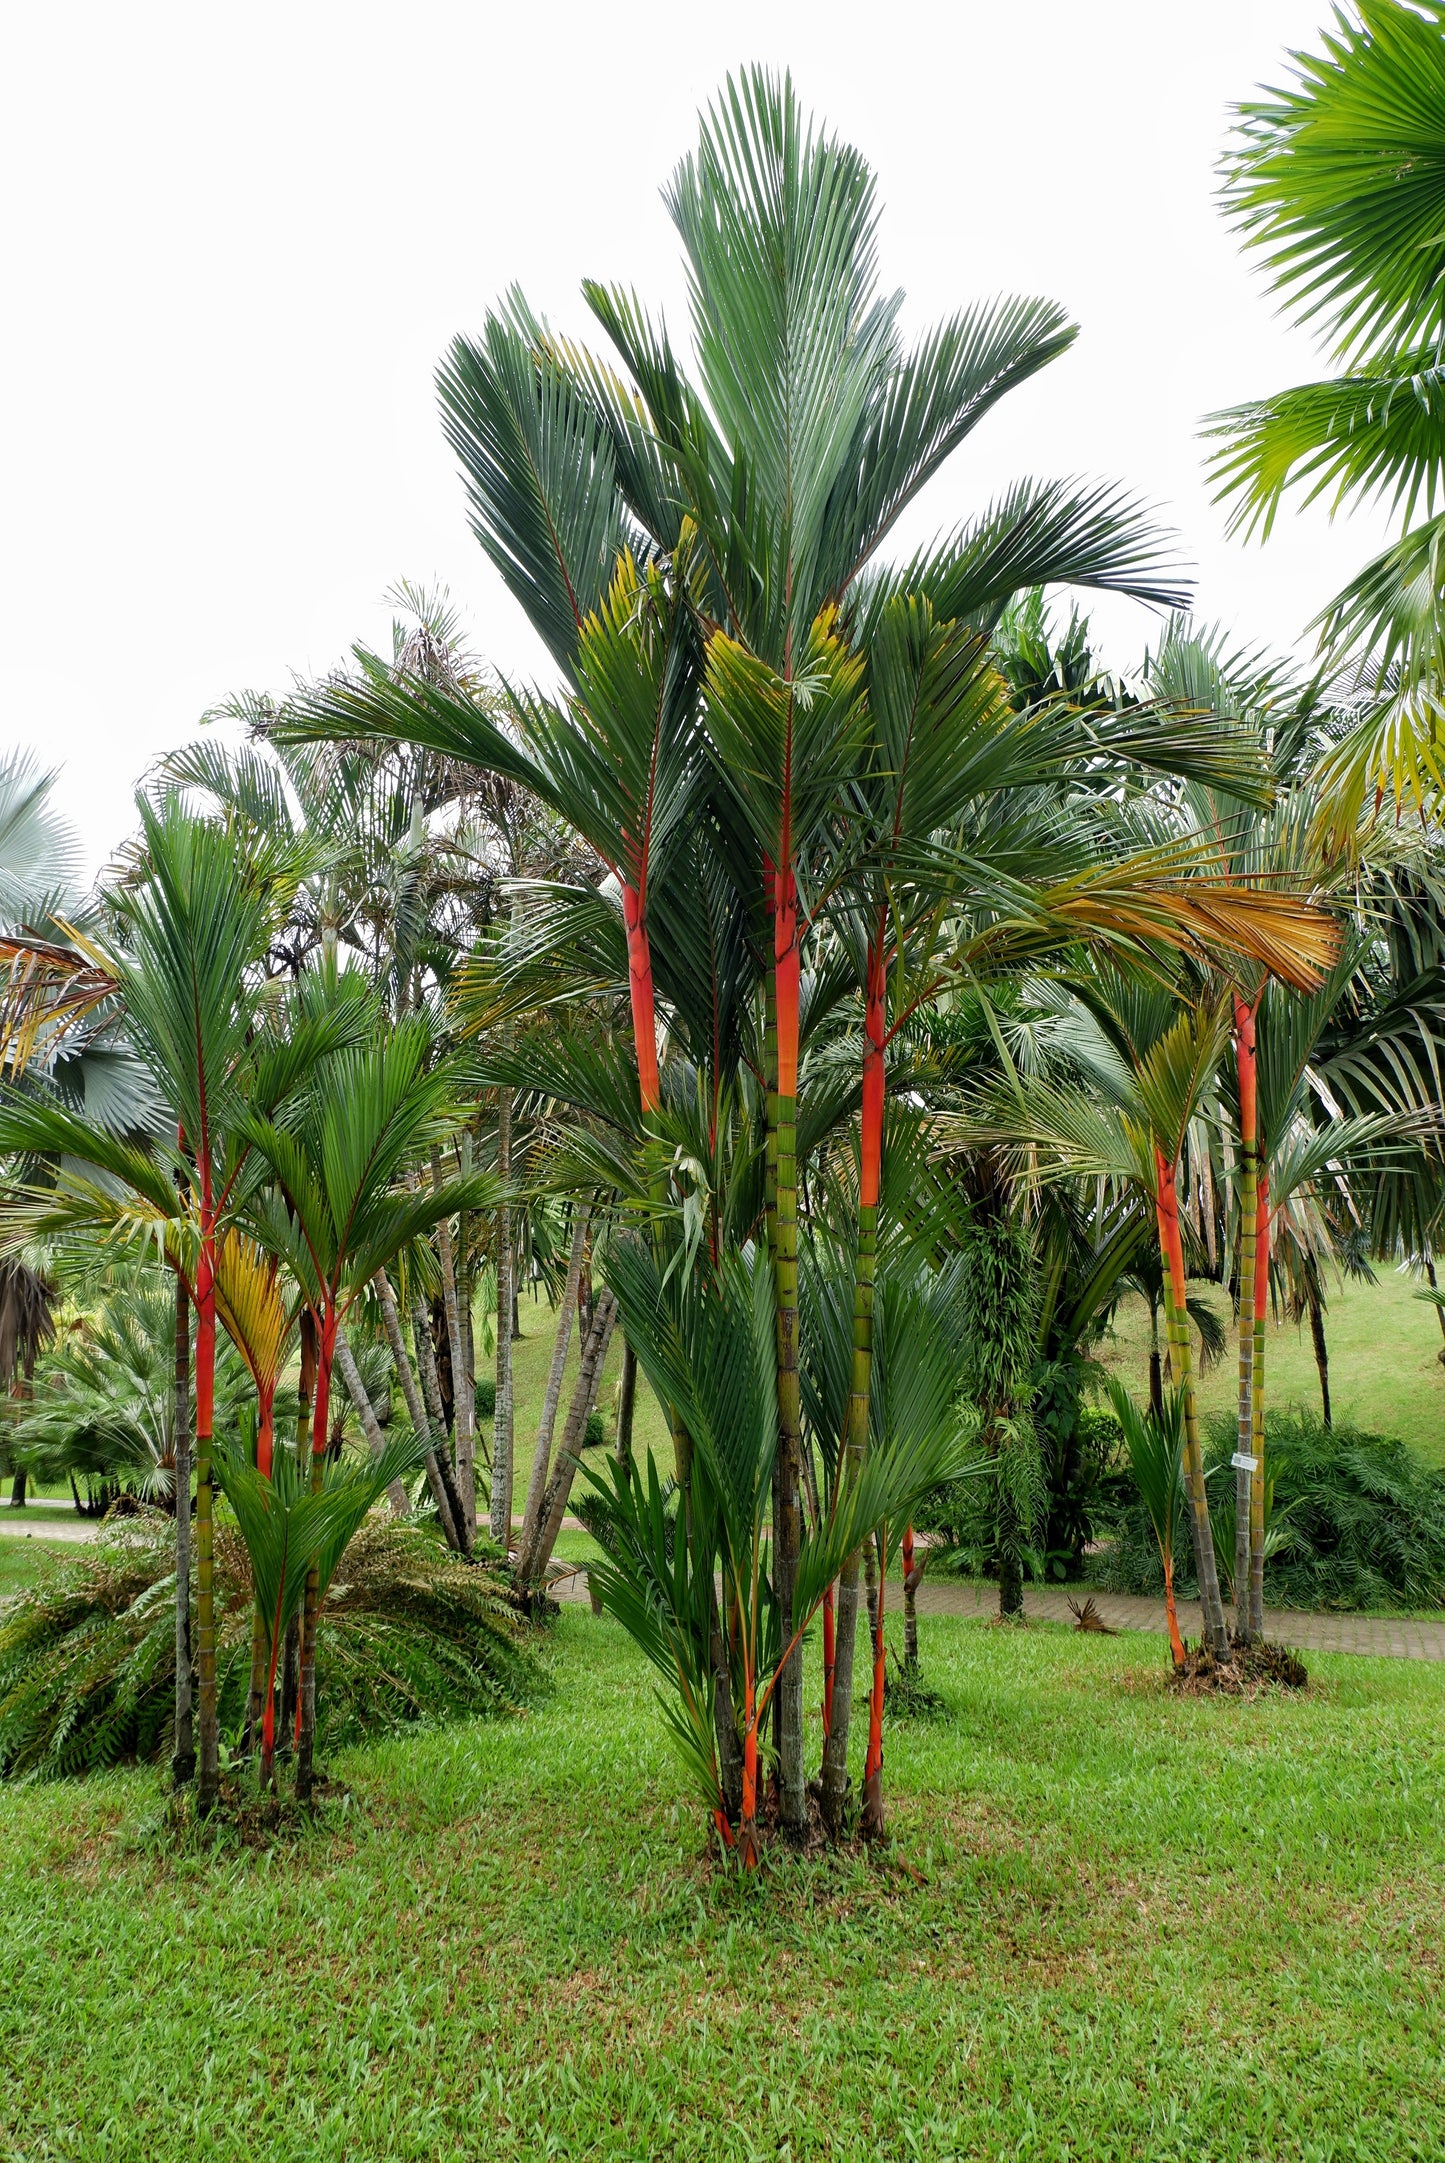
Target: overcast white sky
<point>237,241</point>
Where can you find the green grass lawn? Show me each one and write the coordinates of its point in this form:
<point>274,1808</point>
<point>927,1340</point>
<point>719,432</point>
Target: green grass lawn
<point>1114,1925</point>
<point>25,1562</point>
<point>1384,1371</point>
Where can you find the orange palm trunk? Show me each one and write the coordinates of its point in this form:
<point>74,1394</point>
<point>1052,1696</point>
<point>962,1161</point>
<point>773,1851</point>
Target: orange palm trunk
<point>1176,1642</point>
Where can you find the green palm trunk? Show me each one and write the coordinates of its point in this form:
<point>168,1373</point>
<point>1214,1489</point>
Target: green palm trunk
<point>790,1467</point>
<point>1256,1506</point>
<point>1245,1484</point>
<point>183,1760</point>
<point>835,1748</point>
<point>1205,1569</point>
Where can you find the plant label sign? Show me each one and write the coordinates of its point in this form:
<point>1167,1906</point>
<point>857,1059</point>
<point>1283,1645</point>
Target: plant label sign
<point>1241,1463</point>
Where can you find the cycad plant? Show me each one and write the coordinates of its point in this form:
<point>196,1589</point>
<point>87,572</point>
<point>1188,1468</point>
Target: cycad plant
<point>87,1662</point>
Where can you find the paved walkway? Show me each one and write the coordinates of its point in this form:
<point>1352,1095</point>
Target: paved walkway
<point>31,1525</point>
<point>1381,1635</point>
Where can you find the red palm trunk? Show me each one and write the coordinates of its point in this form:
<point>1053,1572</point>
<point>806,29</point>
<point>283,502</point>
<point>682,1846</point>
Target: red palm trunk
<point>266,1429</point>
<point>268,1713</point>
<point>644,1006</point>
<point>748,1827</point>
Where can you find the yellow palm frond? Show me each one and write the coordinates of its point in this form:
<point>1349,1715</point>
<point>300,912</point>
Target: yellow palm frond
<point>251,1309</point>
<point>45,990</point>
<point>1161,897</point>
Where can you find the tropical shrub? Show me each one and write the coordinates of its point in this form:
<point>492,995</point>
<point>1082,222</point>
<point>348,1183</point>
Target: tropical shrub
<point>962,1516</point>
<point>87,1662</point>
<point>1357,1520</point>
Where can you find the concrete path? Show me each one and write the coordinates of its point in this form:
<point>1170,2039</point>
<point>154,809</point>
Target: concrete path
<point>31,1525</point>
<point>1381,1635</point>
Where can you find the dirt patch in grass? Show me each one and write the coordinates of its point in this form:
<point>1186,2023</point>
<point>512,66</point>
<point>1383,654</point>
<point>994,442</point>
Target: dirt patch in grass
<point>1249,1670</point>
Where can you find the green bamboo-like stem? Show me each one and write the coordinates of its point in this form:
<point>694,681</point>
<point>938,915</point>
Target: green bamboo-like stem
<point>208,1781</point>
<point>183,1760</point>
<point>1257,1495</point>
<point>1177,1318</point>
<point>873,1826</point>
<point>265,1452</point>
<point>502,1423</point>
<point>788,1542</point>
<point>306,1688</point>
<point>1248,1213</point>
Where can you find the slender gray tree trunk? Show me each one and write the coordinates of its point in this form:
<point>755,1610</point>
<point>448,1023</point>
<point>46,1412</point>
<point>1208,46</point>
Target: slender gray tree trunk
<point>426,1360</point>
<point>183,1761</point>
<point>502,1428</point>
<point>464,1450</point>
<point>1317,1335</point>
<point>1439,1311</point>
<point>626,1403</point>
<point>542,1454</point>
<point>532,1561</point>
<point>365,1412</point>
<point>416,1412</point>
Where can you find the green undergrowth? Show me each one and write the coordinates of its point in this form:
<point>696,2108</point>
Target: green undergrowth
<point>1112,1924</point>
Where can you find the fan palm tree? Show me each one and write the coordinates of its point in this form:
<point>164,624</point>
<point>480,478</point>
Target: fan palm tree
<point>1336,180</point>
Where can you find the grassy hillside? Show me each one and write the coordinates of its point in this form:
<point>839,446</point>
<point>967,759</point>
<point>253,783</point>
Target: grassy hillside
<point>1385,1374</point>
